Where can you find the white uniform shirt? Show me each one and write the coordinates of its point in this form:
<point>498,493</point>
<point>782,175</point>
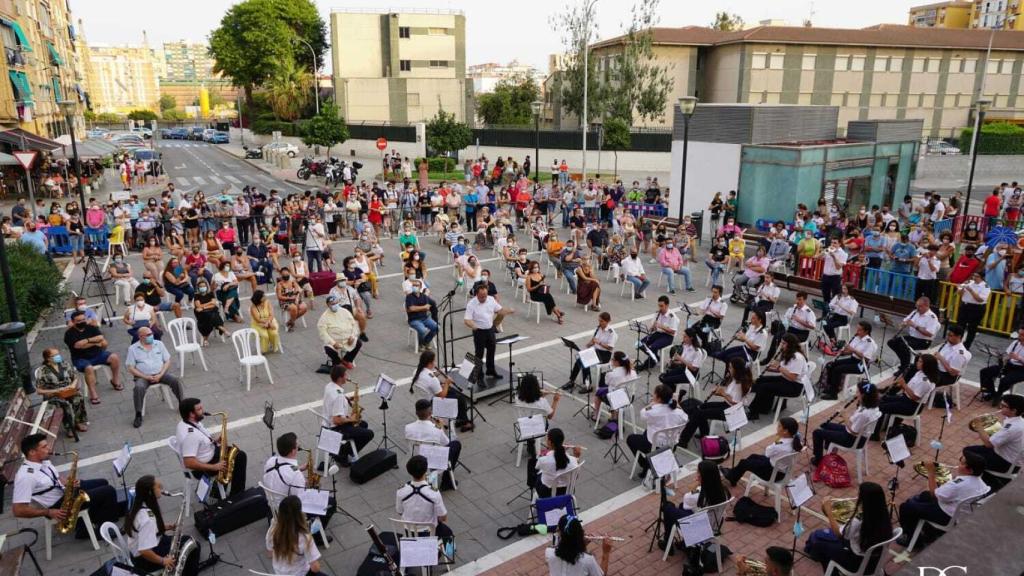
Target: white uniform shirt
<point>735,393</point>
<point>482,314</point>
<point>957,356</point>
<point>668,320</point>
<point>981,288</point>
<point>546,466</point>
<point>921,385</point>
<point>782,447</point>
<point>428,383</point>
<point>586,565</point>
<point>797,364</point>
<point>719,307</point>
<point>632,267</point>
<point>768,292</point>
<point>37,482</point>
<point>691,355</point>
<point>425,431</point>
<point>606,337</point>
<point>424,506</point>
<point>862,419</point>
<point>306,554</point>
<point>1008,443</point>
<point>957,490</point>
<point>804,314</point>
<point>924,271</point>
<point>335,403</point>
<point>756,337</point>
<point>1015,347</point>
<point>865,346</point>
<point>618,378</point>
<point>929,321</point>
<point>834,262</point>
<point>659,417</point>
<point>282,475</point>
<point>146,533</point>
<point>195,441</point>
<point>844,305</point>
<point>538,405</point>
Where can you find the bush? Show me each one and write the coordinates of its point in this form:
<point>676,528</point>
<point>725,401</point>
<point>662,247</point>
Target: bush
<point>269,126</point>
<point>437,164</point>
<point>142,115</point>
<point>996,138</point>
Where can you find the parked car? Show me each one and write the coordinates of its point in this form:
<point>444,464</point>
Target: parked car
<point>143,131</point>
<point>165,133</point>
<point>126,140</point>
<point>288,148</point>
<point>179,134</point>
<point>146,154</point>
<point>97,133</point>
<point>219,138</point>
<point>942,148</point>
<point>208,133</point>
<point>195,133</point>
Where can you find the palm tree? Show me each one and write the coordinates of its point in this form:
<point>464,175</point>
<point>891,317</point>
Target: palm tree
<point>288,89</point>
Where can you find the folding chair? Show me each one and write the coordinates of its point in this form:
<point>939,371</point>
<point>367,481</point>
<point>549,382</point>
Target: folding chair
<point>789,463</point>
<point>274,502</point>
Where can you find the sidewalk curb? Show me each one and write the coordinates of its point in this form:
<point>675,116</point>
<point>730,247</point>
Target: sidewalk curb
<point>243,159</point>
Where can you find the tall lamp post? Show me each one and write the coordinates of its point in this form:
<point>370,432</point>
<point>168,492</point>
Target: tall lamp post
<point>687,105</point>
<point>68,107</point>
<point>536,106</point>
<point>588,9</point>
<point>981,108</point>
<point>316,83</point>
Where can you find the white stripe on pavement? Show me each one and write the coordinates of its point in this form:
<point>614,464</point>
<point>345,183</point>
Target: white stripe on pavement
<point>216,179</point>
<point>233,179</point>
<point>181,181</point>
<point>199,180</point>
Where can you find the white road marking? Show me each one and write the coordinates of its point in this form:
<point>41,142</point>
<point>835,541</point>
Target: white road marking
<point>181,181</point>
<point>233,179</point>
<point>216,179</point>
<point>199,180</point>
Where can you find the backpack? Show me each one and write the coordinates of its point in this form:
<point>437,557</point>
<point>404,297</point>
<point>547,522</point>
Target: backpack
<point>908,431</point>
<point>746,511</point>
<point>607,431</point>
<point>833,471</point>
<point>701,559</point>
<point>714,448</point>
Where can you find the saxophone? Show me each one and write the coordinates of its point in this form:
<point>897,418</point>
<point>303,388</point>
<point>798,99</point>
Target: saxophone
<point>227,452</point>
<point>176,551</point>
<point>74,498</point>
<point>312,477</point>
<point>357,410</point>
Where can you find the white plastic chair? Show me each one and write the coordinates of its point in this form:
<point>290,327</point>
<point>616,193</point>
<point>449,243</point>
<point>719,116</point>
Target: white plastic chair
<point>860,454</point>
<point>629,410</point>
<point>410,529</point>
<point>167,393</point>
<point>802,397</point>
<point>961,509</point>
<point>324,456</point>
<point>111,534</point>
<point>716,514</point>
<point>627,285</point>
<point>83,515</point>
<point>190,481</point>
<point>414,450</point>
<point>525,412</point>
<point>531,306</point>
<point>789,462</point>
<point>247,349</point>
<point>274,502</point>
<point>412,339</point>
<point>878,550</point>
<point>183,337</point>
<point>664,438</point>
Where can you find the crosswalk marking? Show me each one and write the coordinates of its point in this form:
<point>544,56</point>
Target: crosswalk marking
<point>233,179</point>
<point>216,180</point>
<point>181,181</point>
<point>199,180</point>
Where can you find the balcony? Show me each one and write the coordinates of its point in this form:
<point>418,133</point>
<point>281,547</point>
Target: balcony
<point>15,57</point>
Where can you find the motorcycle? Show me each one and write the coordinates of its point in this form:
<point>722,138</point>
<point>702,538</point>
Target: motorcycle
<point>311,167</point>
<point>253,153</point>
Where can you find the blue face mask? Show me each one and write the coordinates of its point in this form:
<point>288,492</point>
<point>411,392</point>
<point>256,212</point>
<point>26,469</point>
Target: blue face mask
<point>57,359</point>
<point>149,339</point>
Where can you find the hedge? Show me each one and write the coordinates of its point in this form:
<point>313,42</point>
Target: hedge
<point>996,138</point>
<point>265,126</point>
<point>436,164</point>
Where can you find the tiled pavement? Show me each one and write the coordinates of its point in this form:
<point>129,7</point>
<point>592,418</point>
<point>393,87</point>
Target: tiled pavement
<point>478,508</point>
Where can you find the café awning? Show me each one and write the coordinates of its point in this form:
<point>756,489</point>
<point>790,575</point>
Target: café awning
<point>92,148</point>
<point>16,137</point>
<point>8,160</point>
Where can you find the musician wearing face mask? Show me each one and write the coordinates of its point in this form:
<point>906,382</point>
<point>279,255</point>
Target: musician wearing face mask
<point>146,531</point>
<point>765,298</point>
<point>858,355</point>
<point>1009,372</point>
<point>200,450</point>
<point>842,308</point>
<point>801,318</point>
<point>973,298</point>
<point>921,326</point>
<point>283,474</point>
<point>1004,449</point>
<point>860,423</point>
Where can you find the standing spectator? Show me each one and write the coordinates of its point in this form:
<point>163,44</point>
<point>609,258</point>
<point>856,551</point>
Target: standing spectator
<point>991,207</point>
<point>995,267</point>
<point>927,273</point>
<point>19,214</point>
<point>563,173</point>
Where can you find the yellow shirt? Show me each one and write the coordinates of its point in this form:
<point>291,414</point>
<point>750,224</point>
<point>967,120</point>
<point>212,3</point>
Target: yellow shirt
<point>736,246</point>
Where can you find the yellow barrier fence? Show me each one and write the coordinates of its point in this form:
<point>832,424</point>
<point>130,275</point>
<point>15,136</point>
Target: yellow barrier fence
<point>999,310</point>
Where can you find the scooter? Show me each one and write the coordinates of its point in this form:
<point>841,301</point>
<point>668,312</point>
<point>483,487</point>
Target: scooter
<point>253,153</point>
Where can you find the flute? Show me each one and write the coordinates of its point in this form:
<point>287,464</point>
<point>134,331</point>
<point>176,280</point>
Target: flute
<point>599,538</point>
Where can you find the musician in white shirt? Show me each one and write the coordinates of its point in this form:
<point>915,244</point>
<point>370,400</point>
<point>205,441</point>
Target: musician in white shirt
<point>428,430</point>
<point>765,298</point>
<point>290,529</point>
<point>621,373</point>
<point>938,503</point>
<point>842,308</point>
<point>832,269</point>
<point>553,465</point>
<point>858,354</point>
<point>662,331</point>
<point>417,501</point>
<point>921,326</point>
<point>752,340</point>
<point>973,298</point>
<point>801,318</point>
<point>338,415</point>
<point>1004,449</point>
<point>787,441</point>
<point>660,414</point>
<point>428,380</point>
<point>783,377</point>
<point>860,423</point>
<point>283,474</point>
<point>603,343</point>
<point>735,389</point>
<point>712,310</point>
<point>1009,373</point>
<point>904,395</point>
<point>688,358</point>
<point>146,532</point>
<point>200,452</point>
<point>928,265</point>
<point>952,357</point>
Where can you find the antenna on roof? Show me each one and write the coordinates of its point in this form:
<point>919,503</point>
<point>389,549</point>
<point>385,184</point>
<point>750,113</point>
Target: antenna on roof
<point>810,16</point>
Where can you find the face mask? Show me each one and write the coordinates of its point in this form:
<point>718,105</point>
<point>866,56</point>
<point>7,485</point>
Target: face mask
<point>670,246</point>
<point>57,359</point>
<point>334,307</point>
<point>145,280</point>
<point>203,289</point>
<point>486,277</point>
<point>1002,252</point>
<point>140,303</point>
<point>82,308</point>
<point>80,325</point>
<point>225,269</point>
<point>149,339</point>
<point>633,255</point>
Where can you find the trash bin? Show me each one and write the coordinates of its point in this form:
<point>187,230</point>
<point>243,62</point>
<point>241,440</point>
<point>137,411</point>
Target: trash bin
<point>16,362</point>
<point>698,222</point>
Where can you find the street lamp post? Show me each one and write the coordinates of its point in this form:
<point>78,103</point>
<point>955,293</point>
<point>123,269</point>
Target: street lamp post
<point>687,105</point>
<point>316,84</point>
<point>982,107</point>
<point>586,81</point>
<point>536,106</point>
<point>68,107</point>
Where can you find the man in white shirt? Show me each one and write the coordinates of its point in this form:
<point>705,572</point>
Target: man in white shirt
<point>938,503</point>
<point>801,318</point>
<point>283,474</point>
<point>920,326</point>
<point>663,331</point>
<point>1004,449</point>
<point>338,415</point>
<point>927,273</point>
<point>858,354</point>
<point>200,452</point>
<point>832,271</point>
<point>633,272</point>
<point>1009,374</point>
<point>973,298</point>
<point>149,363</point>
<point>417,501</point>
<point>482,312</point>
<point>426,430</point>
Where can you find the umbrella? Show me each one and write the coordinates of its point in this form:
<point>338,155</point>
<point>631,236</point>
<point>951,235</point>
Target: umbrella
<point>1000,234</point>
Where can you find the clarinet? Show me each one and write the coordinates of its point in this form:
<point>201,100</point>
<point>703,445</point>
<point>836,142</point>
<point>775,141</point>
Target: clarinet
<point>840,411</point>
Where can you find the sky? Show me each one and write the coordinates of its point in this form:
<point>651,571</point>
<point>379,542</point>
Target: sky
<point>495,32</point>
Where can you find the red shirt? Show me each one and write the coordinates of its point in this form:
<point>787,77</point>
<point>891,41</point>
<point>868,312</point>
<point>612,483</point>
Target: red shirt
<point>992,204</point>
<point>964,267</point>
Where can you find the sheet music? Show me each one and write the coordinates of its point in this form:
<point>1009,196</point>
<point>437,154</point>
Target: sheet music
<point>800,491</point>
<point>314,501</point>
<point>690,378</point>
<point>696,528</point>
<point>618,399</point>
<point>330,441</point>
<point>123,459</point>
<point>445,407</point>
<point>203,488</point>
<point>385,386</point>
<point>808,390</point>
<point>533,426</point>
<point>588,357</point>
<point>437,456</point>
<point>466,369</point>
<point>897,448</point>
<point>735,417</point>
<point>415,552</point>
<point>551,517</point>
<point>664,463</point>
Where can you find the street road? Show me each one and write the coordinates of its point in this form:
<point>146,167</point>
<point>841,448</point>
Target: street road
<point>197,166</point>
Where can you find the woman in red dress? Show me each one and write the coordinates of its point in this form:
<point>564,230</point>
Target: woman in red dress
<point>376,213</point>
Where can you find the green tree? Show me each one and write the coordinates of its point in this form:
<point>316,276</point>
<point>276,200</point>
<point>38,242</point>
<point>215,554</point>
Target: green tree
<point>327,128</point>
<point>616,137</point>
<point>637,86</point>
<point>89,115</point>
<point>167,102</point>
<point>447,135</point>
<point>254,36</point>
<point>727,22</point>
<point>577,26</point>
<point>288,89</point>
<point>109,117</point>
<point>174,114</point>
<point>510,103</point>
<point>142,115</point>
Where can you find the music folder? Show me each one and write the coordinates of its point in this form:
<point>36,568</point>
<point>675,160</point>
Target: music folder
<point>570,344</point>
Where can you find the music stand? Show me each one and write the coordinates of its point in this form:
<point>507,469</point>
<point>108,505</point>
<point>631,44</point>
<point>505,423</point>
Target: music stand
<point>384,388</point>
<point>475,378</point>
<point>510,341</point>
<point>573,347</point>
<point>662,474</point>
<point>641,330</point>
<point>800,491</point>
<point>268,421</point>
<point>120,465</point>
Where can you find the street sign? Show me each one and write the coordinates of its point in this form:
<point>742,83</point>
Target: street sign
<point>26,158</point>
<point>382,143</point>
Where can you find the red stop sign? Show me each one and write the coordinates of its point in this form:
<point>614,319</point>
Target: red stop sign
<point>382,143</point>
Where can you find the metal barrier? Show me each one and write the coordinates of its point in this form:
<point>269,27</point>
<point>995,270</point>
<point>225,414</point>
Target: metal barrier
<point>888,283</point>
<point>941,226</point>
<point>961,221</point>
<point>638,209</point>
<point>999,310</point>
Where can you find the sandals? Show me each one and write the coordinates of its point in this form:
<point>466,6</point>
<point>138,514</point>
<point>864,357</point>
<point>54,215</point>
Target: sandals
<point>94,401</point>
<point>118,387</point>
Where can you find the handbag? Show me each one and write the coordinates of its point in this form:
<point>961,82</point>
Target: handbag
<point>833,471</point>
<point>714,447</point>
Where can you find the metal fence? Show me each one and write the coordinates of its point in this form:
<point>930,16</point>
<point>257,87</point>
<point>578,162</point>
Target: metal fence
<point>365,131</point>
<point>646,141</point>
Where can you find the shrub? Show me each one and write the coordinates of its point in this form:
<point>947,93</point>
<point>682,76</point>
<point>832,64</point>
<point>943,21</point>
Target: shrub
<point>269,126</point>
<point>436,164</point>
<point>996,138</point>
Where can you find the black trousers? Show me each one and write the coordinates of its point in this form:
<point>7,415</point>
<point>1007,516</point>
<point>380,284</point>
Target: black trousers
<point>762,305</point>
<point>740,351</point>
<point>835,321</point>
<point>640,443</point>
<point>925,288</point>
<point>831,284</point>
<point>360,434</point>
<point>143,566</point>
<point>890,404</point>
<point>903,347</point>
<point>675,377</point>
<point>831,433</point>
<point>969,318</point>
<point>757,464</point>
<point>766,388</point>
<point>801,335</point>
<point>237,474</point>
<point>335,357</point>
<point>603,355</point>
<point>921,507</point>
<point>1011,375</point>
<point>837,369</point>
<point>484,342</point>
<point>700,419</point>
<point>993,461</point>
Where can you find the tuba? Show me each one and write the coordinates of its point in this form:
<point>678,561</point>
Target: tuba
<point>943,472</point>
<point>357,410</point>
<point>312,477</point>
<point>227,451</point>
<point>74,498</point>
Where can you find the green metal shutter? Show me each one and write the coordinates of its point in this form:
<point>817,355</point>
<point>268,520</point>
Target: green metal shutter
<point>22,39</point>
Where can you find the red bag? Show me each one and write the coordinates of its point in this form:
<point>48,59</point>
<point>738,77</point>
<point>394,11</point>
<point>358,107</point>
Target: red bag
<point>322,282</point>
<point>833,471</point>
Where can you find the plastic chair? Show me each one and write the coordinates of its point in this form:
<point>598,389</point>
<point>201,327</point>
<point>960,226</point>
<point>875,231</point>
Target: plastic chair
<point>183,337</point>
<point>190,481</point>
<point>630,409</point>
<point>274,502</point>
<point>410,529</point>
<point>435,482</point>
<point>531,306</point>
<point>627,285</point>
<point>789,463</point>
<point>116,240</point>
<point>803,397</point>
<point>324,456</point>
<point>960,510</point>
<point>664,438</point>
<point>716,514</point>
<point>860,454</point>
<point>111,534</point>
<point>915,417</point>
<point>878,551</point>
<point>83,515</point>
<point>247,349</point>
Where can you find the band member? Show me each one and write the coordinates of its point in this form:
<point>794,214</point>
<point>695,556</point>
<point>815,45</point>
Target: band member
<point>482,311</point>
<point>660,414</point>
<point>39,489</point>
<point>1009,374</point>
<point>751,341</point>
<point>553,462</point>
<point>973,298</point>
<point>782,377</point>
<point>200,451</point>
<point>708,491</point>
<point>621,374</point>
<point>688,358</point>
<point>801,318</point>
<point>428,380</point>
<point>859,353</point>
<point>603,342</point>
<point>712,310</point>
<point>338,415</point>
<point>927,273</point>
<point>834,258</point>
<point>938,503</point>
<point>289,542</point>
<point>144,527</point>
<point>922,325</point>
<point>861,422</point>
<point>569,555</point>
<point>952,357</point>
<point>339,332</point>
<point>662,331</point>
<point>904,395</point>
<point>283,474</point>
<point>787,441</point>
<point>289,297</point>
<point>1004,449</point>
<point>530,395</point>
<point>428,430</point>
<point>765,298</point>
<point>734,390</point>
<point>845,545</point>
<point>842,308</point>
<point>417,501</point>
<point>778,561</point>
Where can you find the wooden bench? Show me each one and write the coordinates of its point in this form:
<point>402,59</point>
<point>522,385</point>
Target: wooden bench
<point>21,419</point>
<point>867,300</point>
<point>11,561</point>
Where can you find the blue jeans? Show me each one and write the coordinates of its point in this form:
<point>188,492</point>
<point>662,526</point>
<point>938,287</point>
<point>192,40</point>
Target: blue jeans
<point>425,329</point>
<point>179,292</point>
<point>570,277</point>
<point>684,272</point>
<point>639,285</point>
<point>716,271</point>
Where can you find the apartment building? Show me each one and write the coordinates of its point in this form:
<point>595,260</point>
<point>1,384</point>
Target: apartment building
<point>877,73</point>
<point>41,67</point>
<point>999,14</point>
<point>399,67</point>
<point>954,14</point>
<point>124,78</point>
<point>187,62</point>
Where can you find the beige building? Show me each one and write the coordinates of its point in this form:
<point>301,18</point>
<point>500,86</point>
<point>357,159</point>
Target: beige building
<point>399,67</point>
<point>881,72</point>
<point>187,62</point>
<point>41,67</point>
<point>951,14</point>
<point>124,78</point>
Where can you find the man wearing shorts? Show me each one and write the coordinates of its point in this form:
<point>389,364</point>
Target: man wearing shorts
<point>88,349</point>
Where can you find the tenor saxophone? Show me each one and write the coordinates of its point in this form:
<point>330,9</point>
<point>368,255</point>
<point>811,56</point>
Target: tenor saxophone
<point>227,452</point>
<point>74,499</point>
<point>312,477</point>
<point>357,410</point>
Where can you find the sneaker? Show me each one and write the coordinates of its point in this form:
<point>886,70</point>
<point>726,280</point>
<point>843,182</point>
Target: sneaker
<point>137,423</point>
<point>671,291</point>
<point>568,385</point>
<point>691,289</point>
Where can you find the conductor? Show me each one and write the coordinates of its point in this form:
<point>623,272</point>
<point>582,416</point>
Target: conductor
<point>481,312</point>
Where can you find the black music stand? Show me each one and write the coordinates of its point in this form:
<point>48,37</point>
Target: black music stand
<point>476,378</point>
<point>268,421</point>
<point>573,347</point>
<point>509,341</point>
<point>385,388</point>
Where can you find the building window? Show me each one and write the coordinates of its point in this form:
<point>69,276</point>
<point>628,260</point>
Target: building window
<point>881,63</point>
<point>857,63</point>
<point>413,99</point>
<point>438,63</point>
<point>919,64</point>
<point>853,100</point>
<point>970,65</point>
<point>842,62</point>
<point>405,65</point>
<point>896,64</point>
<point>956,65</point>
<point>759,61</point>
<point>808,62</point>
<point>436,31</point>
<point>776,61</point>
<point>920,100</point>
<point>1007,67</point>
<point>992,67</point>
<point>404,32</point>
<point>933,65</point>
